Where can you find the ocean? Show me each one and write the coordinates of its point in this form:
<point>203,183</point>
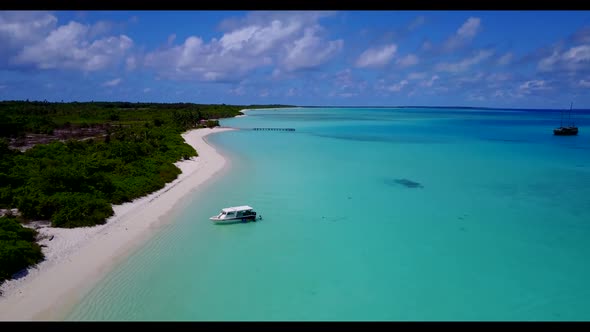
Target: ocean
<point>374,214</point>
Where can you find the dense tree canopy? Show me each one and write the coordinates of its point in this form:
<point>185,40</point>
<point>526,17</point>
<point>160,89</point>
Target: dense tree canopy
<point>130,152</point>
<point>18,248</point>
<point>74,183</point>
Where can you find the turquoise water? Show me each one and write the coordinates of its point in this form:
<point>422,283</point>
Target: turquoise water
<point>494,227</point>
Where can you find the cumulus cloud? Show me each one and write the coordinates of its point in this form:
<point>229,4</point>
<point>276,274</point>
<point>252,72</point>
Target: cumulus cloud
<point>290,41</point>
<point>398,86</point>
<point>22,27</point>
<point>464,64</point>
<point>344,79</point>
<point>470,28</point>
<point>68,46</point>
<point>430,82</point>
<point>407,61</point>
<point>112,83</point>
<point>573,59</point>
<point>533,86</point>
<point>194,59</point>
<point>465,33</point>
<point>310,51</point>
<point>99,28</point>
<point>130,63</point>
<point>376,57</point>
<point>584,83</point>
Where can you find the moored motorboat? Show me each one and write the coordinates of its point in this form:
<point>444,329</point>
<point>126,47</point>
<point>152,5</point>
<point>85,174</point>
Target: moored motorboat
<point>236,214</point>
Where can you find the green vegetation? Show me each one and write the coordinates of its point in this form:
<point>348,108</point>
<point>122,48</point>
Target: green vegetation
<point>18,248</point>
<point>18,117</point>
<point>92,155</point>
<point>74,182</point>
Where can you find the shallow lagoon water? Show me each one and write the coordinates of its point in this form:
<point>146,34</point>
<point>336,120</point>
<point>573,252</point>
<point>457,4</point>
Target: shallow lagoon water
<point>374,214</point>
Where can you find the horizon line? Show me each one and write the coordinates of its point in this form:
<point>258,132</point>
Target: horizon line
<point>300,106</point>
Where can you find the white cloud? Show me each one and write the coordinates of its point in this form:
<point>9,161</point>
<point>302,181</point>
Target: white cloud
<point>291,41</point>
<point>131,63</point>
<point>195,59</point>
<point>398,86</point>
<point>407,61</point>
<point>113,82</point>
<point>146,90</point>
<point>23,27</point>
<point>256,39</point>
<point>533,85</point>
<point>505,59</point>
<point>584,83</point>
<point>376,57</point>
<point>344,79</point>
<point>465,33</point>
<point>310,51</point>
<point>35,39</point>
<point>578,53</point>
<point>276,73</point>
<point>575,58</point>
<point>99,28</point>
<point>3,86</point>
<point>470,28</point>
<point>507,94</point>
<point>67,47</point>
<point>546,64</point>
<point>465,64</point>
<point>430,82</point>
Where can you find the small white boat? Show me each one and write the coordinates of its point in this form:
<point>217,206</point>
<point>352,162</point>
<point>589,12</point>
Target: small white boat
<point>235,214</point>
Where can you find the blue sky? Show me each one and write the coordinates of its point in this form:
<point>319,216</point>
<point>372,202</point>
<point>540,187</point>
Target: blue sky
<point>524,59</point>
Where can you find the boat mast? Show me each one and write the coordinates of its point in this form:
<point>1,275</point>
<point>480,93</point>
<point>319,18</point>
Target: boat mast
<point>571,123</point>
<point>561,120</point>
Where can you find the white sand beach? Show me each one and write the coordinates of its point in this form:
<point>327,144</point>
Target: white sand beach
<point>75,259</point>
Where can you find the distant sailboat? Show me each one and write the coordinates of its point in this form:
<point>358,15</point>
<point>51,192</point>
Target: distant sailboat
<point>570,130</point>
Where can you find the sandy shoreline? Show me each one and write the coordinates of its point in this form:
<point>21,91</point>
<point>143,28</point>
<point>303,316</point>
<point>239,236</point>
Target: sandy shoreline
<point>77,258</point>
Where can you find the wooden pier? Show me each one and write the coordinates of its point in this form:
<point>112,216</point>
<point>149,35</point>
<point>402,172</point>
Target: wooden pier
<point>275,129</point>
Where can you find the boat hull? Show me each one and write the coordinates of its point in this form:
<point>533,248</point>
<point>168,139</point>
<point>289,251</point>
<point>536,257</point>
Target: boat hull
<point>233,220</point>
<point>565,131</point>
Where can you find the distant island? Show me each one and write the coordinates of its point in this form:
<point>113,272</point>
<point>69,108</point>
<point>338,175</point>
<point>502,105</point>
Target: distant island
<point>68,163</point>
